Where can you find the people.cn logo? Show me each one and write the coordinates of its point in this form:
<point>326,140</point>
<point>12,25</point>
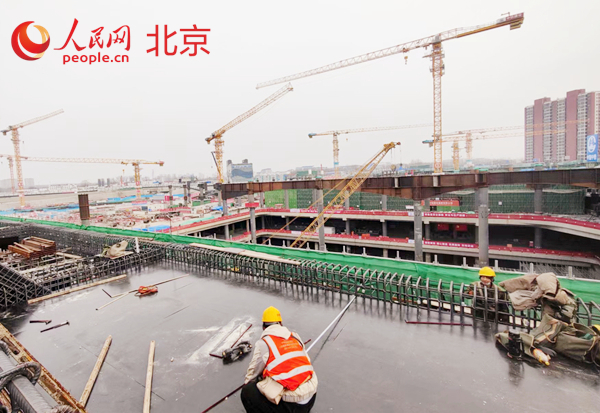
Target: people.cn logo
<point>21,43</point>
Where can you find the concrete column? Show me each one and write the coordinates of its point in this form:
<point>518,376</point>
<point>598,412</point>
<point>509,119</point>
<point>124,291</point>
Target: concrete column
<point>385,253</point>
<point>418,225</point>
<point>347,227</point>
<point>225,208</point>
<point>238,201</point>
<point>261,200</point>
<point>427,206</point>
<point>347,203</point>
<point>252,219</point>
<point>226,231</point>
<point>484,235</point>
<point>537,240</point>
<point>248,225</point>
<point>538,200</point>
<point>427,235</point>
<point>287,222</point>
<point>384,228</point>
<point>384,202</point>
<point>253,224</point>
<point>321,226</point>
<point>315,195</point>
<point>286,199</point>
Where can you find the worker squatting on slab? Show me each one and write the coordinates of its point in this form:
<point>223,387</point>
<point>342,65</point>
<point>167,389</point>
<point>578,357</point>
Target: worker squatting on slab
<point>485,300</point>
<point>280,377</point>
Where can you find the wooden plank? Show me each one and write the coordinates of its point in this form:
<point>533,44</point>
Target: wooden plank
<point>73,290</point>
<point>64,254</point>
<point>149,373</point>
<point>87,391</point>
<point>117,298</point>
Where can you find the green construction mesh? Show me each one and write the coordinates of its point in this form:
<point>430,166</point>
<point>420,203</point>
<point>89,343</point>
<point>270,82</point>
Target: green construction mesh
<point>586,290</point>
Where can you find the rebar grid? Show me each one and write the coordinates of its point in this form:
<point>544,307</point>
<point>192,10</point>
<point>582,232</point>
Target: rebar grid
<point>456,300</point>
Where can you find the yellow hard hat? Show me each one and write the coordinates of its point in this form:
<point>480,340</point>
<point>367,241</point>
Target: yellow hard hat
<point>596,328</point>
<point>486,272</point>
<point>271,315</point>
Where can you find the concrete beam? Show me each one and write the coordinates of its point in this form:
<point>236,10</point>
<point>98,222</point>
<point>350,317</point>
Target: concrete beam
<point>420,187</point>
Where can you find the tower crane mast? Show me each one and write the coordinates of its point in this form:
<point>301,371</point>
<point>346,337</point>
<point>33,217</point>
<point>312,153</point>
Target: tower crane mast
<point>14,130</point>
<point>217,135</point>
<point>435,41</point>
<point>336,133</point>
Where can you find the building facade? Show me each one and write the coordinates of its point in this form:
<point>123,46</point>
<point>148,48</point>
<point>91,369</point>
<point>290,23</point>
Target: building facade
<point>556,130</point>
<point>240,172</point>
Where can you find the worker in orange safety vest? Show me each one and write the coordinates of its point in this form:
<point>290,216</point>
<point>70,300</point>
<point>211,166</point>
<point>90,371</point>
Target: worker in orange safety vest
<point>280,377</point>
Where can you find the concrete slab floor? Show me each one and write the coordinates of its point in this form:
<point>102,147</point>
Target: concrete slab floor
<point>371,362</point>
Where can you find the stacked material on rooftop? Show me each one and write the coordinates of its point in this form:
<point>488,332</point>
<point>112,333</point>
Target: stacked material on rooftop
<point>33,247</point>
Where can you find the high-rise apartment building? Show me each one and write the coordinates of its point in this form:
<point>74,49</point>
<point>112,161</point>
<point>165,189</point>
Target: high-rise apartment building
<point>556,130</point>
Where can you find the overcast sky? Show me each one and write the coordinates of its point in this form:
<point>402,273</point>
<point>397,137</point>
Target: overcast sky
<point>162,108</point>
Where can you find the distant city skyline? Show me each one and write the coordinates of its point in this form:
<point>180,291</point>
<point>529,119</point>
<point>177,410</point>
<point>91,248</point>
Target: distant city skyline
<point>556,130</point>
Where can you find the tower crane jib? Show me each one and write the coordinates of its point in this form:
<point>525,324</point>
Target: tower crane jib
<point>435,41</point>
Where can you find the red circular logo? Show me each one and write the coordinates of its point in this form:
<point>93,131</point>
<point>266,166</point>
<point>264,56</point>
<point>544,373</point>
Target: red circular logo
<point>21,42</point>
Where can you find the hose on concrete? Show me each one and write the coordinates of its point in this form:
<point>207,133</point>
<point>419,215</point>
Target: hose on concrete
<point>23,394</point>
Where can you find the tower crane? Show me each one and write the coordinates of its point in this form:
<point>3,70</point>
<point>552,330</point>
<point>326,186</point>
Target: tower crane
<point>336,133</point>
<point>14,129</point>
<point>351,186</point>
<point>435,41</point>
<point>135,162</point>
<point>468,136</point>
<point>217,135</point>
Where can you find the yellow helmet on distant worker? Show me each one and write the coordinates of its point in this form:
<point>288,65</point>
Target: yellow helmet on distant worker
<point>271,315</point>
<point>487,272</point>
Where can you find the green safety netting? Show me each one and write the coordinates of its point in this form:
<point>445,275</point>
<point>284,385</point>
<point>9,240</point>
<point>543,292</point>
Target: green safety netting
<point>587,290</point>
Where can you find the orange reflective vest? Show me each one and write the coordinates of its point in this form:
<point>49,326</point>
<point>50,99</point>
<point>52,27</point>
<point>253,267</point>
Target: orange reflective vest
<point>288,363</point>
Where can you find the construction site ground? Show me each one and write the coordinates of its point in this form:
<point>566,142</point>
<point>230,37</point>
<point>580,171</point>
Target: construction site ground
<point>370,362</point>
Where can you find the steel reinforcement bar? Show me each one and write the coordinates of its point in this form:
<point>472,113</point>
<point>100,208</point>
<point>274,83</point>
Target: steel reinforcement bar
<point>16,288</point>
<point>390,288</point>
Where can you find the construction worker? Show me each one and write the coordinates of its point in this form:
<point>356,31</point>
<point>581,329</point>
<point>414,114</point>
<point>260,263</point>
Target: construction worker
<point>486,282</point>
<point>280,377</point>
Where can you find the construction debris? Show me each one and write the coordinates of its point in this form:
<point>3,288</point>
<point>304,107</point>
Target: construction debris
<point>116,251</point>
<point>87,391</point>
<point>66,323</point>
<point>33,247</point>
<point>73,290</point>
<point>149,374</point>
<point>40,321</point>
